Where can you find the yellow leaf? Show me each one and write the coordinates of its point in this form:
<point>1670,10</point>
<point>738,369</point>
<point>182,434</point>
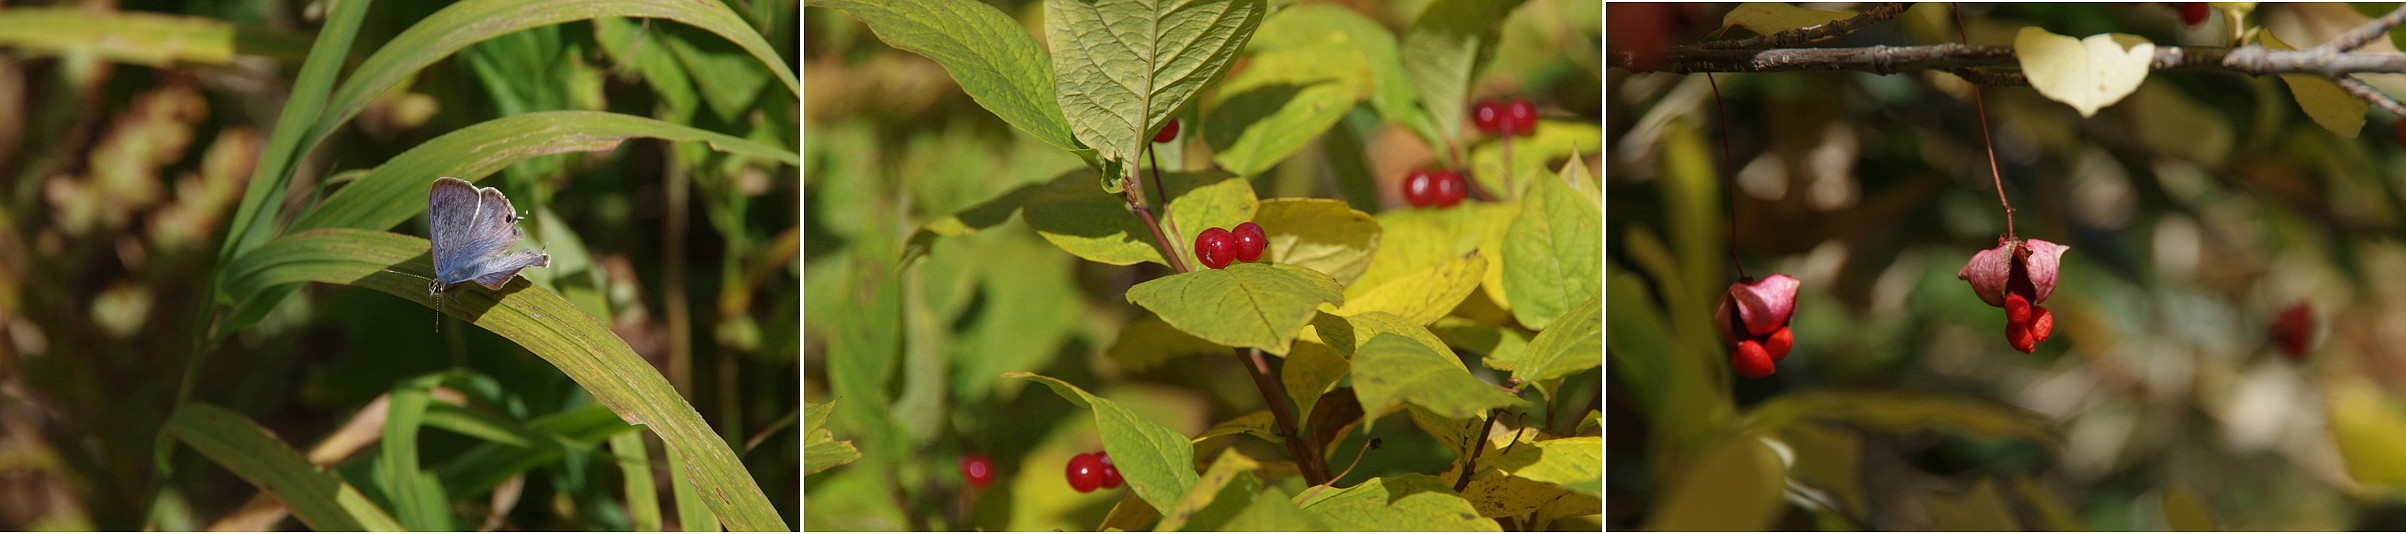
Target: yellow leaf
<point>1767,18</point>
<point>1422,297</point>
<point>2367,426</point>
<point>2330,106</point>
<point>2087,74</point>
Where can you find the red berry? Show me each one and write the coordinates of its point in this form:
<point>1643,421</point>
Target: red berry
<point>2042,324</point>
<point>1779,343</point>
<point>1751,360</point>
<point>1487,116</point>
<point>1111,478</point>
<point>2017,309</point>
<point>2193,13</point>
<point>1169,132</point>
<point>1449,189</point>
<point>1521,116</point>
<point>1085,473</point>
<point>978,469</point>
<point>1420,189</point>
<point>1250,242</point>
<point>2018,335</point>
<point>2294,330</point>
<point>1216,247</point>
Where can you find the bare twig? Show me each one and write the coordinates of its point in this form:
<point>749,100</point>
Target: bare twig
<point>1810,34</point>
<point>2366,91</point>
<point>2252,59</point>
<point>1299,444</point>
<point>2365,34</point>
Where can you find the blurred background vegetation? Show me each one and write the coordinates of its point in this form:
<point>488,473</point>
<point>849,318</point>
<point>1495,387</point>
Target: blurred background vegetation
<point>128,131</point>
<point>895,143</point>
<point>2197,210</point>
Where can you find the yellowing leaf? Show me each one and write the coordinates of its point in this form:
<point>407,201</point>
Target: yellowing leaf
<point>2367,426</point>
<point>1422,297</point>
<point>820,450</point>
<point>2087,74</point>
<point>1258,305</point>
<point>2324,101</point>
<point>1576,464</point>
<point>1390,369</point>
<point>1311,369</point>
<point>1412,502</point>
<point>1322,234</point>
<point>1767,18</point>
<point>1256,423</point>
<point>1225,489</point>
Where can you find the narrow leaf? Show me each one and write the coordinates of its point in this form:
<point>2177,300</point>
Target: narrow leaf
<point>318,498</point>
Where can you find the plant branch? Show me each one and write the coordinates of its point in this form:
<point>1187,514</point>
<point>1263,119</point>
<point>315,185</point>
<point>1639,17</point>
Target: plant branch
<point>2366,91</point>
<point>1134,193</point>
<point>1955,57</point>
<point>1299,444</point>
<point>1470,465</point>
<point>2365,34</point>
<point>1822,32</point>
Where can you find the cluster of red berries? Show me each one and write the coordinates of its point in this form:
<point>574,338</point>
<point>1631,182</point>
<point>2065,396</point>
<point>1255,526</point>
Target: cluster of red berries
<point>2017,276</point>
<point>1091,470</point>
<point>1218,248</point>
<point>978,469</point>
<point>1754,316</point>
<point>1440,188</point>
<point>1516,118</point>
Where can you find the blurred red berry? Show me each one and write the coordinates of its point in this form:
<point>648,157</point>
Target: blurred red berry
<point>2193,13</point>
<point>1111,478</point>
<point>1487,116</point>
<point>1521,117</point>
<point>1169,132</point>
<point>1420,189</point>
<point>2294,330</point>
<point>978,469</point>
<point>1449,188</point>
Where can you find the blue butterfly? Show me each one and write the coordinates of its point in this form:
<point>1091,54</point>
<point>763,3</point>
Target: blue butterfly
<point>475,234</point>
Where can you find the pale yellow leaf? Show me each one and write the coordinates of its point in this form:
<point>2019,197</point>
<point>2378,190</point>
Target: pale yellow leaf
<point>2330,106</point>
<point>2087,74</point>
<point>1767,18</point>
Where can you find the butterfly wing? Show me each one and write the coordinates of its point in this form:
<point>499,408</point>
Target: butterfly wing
<point>451,210</point>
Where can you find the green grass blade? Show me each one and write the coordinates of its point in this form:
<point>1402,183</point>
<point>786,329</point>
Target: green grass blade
<point>396,191</point>
<point>481,468</point>
<point>318,498</point>
<point>154,39</point>
<point>466,23</point>
<point>543,323</point>
<point>301,111</point>
<point>692,515</point>
<point>397,463</point>
<point>643,502</point>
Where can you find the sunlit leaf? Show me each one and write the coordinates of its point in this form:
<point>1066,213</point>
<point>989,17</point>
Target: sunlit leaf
<point>1442,54</point>
<point>995,60</point>
<point>2323,100</point>
<point>1321,234</point>
<point>1121,67</point>
<point>1256,305</point>
<point>2087,74</point>
<point>1226,488</point>
<point>1422,297</point>
<point>1412,502</point>
<point>1766,18</point>
<point>1553,255</point>
<point>319,499</point>
<point>1157,462</point>
<point>1391,369</point>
